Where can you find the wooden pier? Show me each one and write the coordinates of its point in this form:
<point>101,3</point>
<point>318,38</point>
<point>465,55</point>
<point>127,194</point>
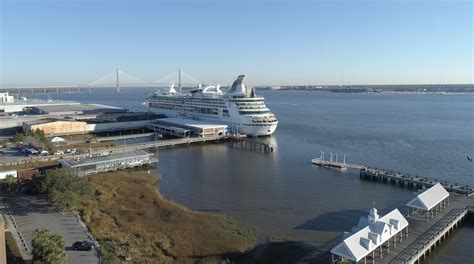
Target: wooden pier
<point>393,177</point>
<point>157,144</point>
<point>405,179</point>
<point>248,144</point>
<point>426,242</point>
<point>424,236</point>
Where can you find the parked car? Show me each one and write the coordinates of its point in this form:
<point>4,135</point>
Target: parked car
<point>85,245</point>
<point>58,152</point>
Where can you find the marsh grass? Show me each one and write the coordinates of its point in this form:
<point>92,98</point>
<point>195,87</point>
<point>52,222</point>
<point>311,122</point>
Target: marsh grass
<point>134,222</point>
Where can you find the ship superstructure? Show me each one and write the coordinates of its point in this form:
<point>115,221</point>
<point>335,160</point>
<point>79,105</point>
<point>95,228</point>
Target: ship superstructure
<point>239,107</point>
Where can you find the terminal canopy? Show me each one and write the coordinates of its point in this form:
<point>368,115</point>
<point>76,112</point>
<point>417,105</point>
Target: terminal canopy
<point>429,198</point>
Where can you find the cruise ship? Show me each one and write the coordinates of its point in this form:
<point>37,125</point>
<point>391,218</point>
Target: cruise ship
<point>239,107</point>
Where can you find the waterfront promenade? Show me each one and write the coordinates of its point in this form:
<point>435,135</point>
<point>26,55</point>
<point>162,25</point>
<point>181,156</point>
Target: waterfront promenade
<point>114,149</point>
<point>422,234</point>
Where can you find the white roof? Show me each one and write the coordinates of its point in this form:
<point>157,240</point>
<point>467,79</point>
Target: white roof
<point>364,241</point>
<point>429,198</point>
<point>191,122</point>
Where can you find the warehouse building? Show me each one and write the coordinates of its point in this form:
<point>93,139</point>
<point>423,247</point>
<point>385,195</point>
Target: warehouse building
<point>102,123</point>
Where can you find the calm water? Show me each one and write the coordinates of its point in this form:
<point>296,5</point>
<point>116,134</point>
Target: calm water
<point>283,195</point>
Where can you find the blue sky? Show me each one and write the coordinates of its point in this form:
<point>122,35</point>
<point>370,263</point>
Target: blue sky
<point>273,42</point>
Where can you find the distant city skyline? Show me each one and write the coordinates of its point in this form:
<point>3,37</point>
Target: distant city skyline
<point>369,42</point>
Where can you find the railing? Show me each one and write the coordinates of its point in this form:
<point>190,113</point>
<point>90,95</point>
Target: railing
<point>432,237</point>
<point>22,239</point>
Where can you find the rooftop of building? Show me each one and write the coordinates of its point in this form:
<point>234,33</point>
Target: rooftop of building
<point>364,241</point>
<point>61,108</point>
<point>104,158</point>
<point>95,119</point>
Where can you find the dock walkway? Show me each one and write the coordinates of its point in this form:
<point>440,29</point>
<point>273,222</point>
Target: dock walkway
<point>156,144</point>
<point>413,180</point>
<point>428,240</point>
<point>394,177</point>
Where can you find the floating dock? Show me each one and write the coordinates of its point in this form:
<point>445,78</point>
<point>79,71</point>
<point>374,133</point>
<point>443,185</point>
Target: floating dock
<point>334,164</point>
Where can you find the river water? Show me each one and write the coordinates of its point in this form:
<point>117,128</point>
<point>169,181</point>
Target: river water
<point>282,195</point>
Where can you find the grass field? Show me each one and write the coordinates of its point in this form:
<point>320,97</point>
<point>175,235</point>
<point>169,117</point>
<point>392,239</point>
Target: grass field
<point>133,222</point>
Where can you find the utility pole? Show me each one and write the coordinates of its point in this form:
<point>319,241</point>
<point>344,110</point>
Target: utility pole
<point>118,81</point>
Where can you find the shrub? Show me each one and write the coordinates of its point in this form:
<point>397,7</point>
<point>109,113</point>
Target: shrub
<point>9,184</point>
<point>48,247</point>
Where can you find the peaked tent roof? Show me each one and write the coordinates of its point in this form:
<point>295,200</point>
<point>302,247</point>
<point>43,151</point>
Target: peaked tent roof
<point>366,240</point>
<point>58,139</point>
<point>429,198</point>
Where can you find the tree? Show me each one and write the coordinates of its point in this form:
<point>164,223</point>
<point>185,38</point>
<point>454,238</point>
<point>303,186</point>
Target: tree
<point>48,247</point>
<point>63,189</point>
<point>9,184</point>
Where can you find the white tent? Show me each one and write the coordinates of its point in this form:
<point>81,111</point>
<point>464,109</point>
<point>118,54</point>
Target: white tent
<point>58,140</point>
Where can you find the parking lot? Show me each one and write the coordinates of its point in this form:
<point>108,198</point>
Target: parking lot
<point>31,213</point>
<point>11,154</point>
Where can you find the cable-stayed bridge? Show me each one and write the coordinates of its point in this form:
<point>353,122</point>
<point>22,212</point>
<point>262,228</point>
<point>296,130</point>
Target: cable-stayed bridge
<point>117,79</point>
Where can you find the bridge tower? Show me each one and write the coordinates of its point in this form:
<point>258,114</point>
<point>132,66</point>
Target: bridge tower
<point>118,81</point>
<point>179,80</point>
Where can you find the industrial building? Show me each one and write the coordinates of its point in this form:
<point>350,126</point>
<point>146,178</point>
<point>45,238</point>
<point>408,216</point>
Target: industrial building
<point>101,123</point>
<point>112,162</point>
<point>182,127</point>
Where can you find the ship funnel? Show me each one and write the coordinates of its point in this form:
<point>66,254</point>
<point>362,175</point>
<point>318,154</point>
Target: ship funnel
<point>238,87</point>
